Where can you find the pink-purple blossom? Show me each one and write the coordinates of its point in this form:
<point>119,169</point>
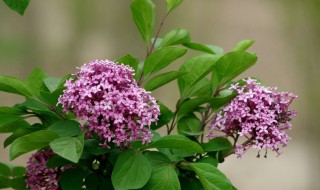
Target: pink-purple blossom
<point>38,175</point>
<point>258,114</point>
<point>105,95</point>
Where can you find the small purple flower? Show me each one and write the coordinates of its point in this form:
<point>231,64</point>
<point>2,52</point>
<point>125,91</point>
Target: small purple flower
<point>257,113</point>
<point>105,95</point>
<point>38,175</point>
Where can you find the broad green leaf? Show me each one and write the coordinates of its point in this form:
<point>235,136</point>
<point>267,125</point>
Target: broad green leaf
<point>157,159</point>
<point>162,58</point>
<point>172,4</point>
<point>130,61</point>
<point>132,171</point>
<point>5,170</point>
<point>18,171</point>
<point>18,6</point>
<point>163,178</point>
<point>11,111</point>
<point>189,126</point>
<point>72,179</point>
<point>15,86</point>
<point>175,37</point>
<point>177,142</point>
<point>196,68</point>
<point>33,141</point>
<point>35,81</point>
<point>143,14</point>
<point>243,45</point>
<point>69,148</point>
<point>52,83</point>
<point>66,128</point>
<point>190,184</point>
<point>217,144</point>
<point>4,182</point>
<point>224,97</point>
<point>18,183</point>
<point>162,79</point>
<point>233,64</point>
<point>9,123</point>
<point>201,89</point>
<point>210,177</point>
<point>199,47</point>
<point>190,105</point>
<point>166,115</point>
<point>208,160</point>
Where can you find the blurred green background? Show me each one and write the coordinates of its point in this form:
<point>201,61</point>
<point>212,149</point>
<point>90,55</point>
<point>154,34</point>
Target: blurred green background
<point>59,35</point>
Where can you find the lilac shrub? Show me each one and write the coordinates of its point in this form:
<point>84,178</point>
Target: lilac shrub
<point>259,114</point>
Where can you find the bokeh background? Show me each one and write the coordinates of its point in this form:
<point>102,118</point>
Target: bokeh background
<point>58,35</point>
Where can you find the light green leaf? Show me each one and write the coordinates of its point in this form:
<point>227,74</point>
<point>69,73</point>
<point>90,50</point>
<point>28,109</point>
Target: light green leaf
<point>175,37</point>
<point>189,126</point>
<point>18,6</point>
<point>9,123</point>
<point>162,58</point>
<point>199,47</point>
<point>35,81</point>
<point>66,128</point>
<point>33,141</point>
<point>157,159</point>
<point>201,89</point>
<point>52,83</point>
<point>172,4</point>
<point>15,86</point>
<point>162,79</point>
<point>131,171</point>
<point>143,14</point>
<point>11,111</point>
<point>208,160</point>
<point>233,64</point>
<point>130,61</point>
<point>69,148</point>
<point>223,98</point>
<point>196,68</point>
<point>217,144</point>
<point>210,177</point>
<point>243,45</point>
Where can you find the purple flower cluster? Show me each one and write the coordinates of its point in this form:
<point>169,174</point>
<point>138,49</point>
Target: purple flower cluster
<point>38,175</point>
<point>257,113</point>
<point>107,97</point>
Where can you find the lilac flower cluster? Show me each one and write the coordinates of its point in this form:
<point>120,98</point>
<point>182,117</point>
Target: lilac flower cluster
<point>38,175</point>
<point>257,113</point>
<point>107,97</point>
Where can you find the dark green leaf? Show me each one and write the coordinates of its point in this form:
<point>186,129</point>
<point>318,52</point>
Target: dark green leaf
<point>143,14</point>
<point>163,178</point>
<point>157,159</point>
<point>166,115</point>
<point>129,60</point>
<point>175,37</point>
<point>132,171</point>
<point>18,183</point>
<point>162,58</point>
<point>162,79</point>
<point>208,160</point>
<point>52,83</point>
<point>18,6</point>
<point>199,47</point>
<point>72,179</point>
<point>4,182</point>
<point>18,171</point>
<point>66,128</point>
<point>217,144</point>
<point>190,184</point>
<point>69,148</point>
<point>5,170</point>
<point>172,4</point>
<point>196,68</point>
<point>11,111</point>
<point>243,45</point>
<point>177,142</point>
<point>189,126</point>
<point>190,105</point>
<point>58,161</point>
<point>210,177</point>
<point>15,86</point>
<point>92,146</point>
<point>233,64</point>
<point>92,181</point>
<point>33,141</point>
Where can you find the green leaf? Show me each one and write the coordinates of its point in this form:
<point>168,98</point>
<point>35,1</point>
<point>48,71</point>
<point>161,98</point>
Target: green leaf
<point>18,6</point>
<point>157,159</point>
<point>175,37</point>
<point>177,142</point>
<point>69,148</point>
<point>233,64</point>
<point>4,182</point>
<point>58,161</point>
<point>11,111</point>
<point>132,171</point>
<point>162,79</point>
<point>217,144</point>
<point>190,184</point>
<point>18,183</point>
<point>224,97</point>
<point>201,89</point>
<point>33,141</point>
<point>210,177</point>
<point>208,160</point>
<point>18,171</point>
<point>66,128</point>
<point>172,4</point>
<point>72,179</point>
<point>190,105</point>
<point>15,86</point>
<point>166,115</point>
<point>52,83</point>
<point>162,58</point>
<point>243,45</point>
<point>5,170</point>
<point>218,50</point>
<point>92,146</point>
<point>189,126</point>
<point>35,81</point>
<point>196,68</point>
<point>9,123</point>
<point>130,61</point>
<point>163,178</point>
<point>143,14</point>
<point>199,47</point>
